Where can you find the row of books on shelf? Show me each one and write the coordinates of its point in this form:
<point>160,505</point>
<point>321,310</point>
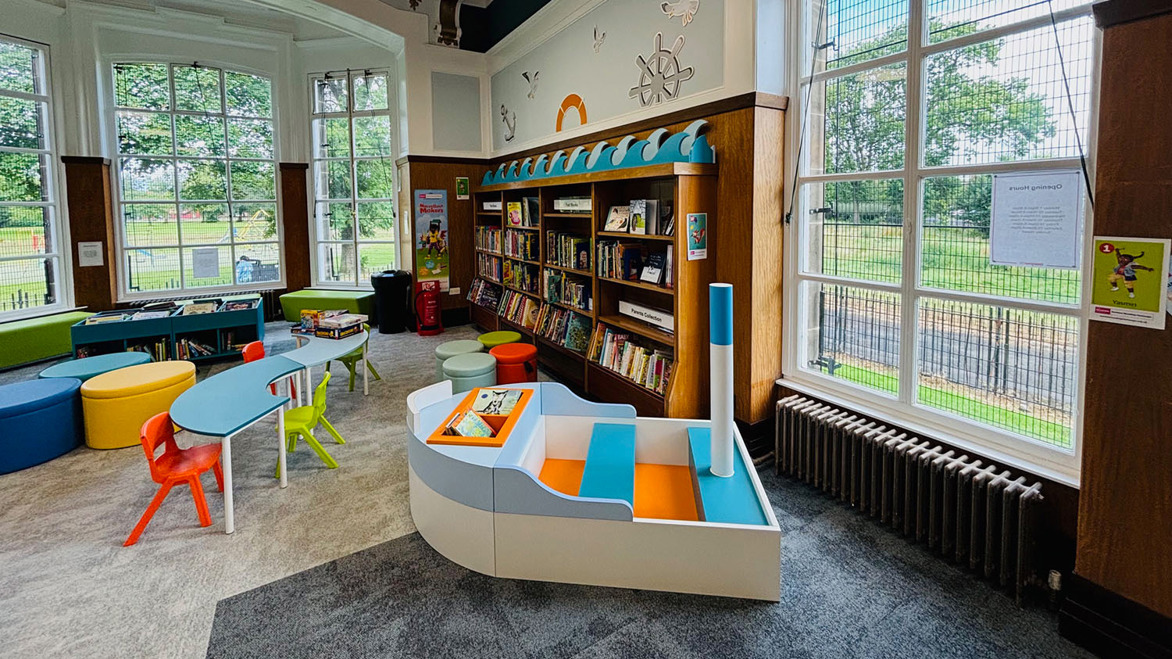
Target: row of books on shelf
<point>567,250</point>
<point>170,308</point>
<point>521,244</point>
<point>635,262</point>
<point>485,293</point>
<point>524,213</point>
<point>158,349</point>
<point>563,327</point>
<point>488,238</point>
<point>489,266</point>
<point>648,217</point>
<point>519,309</point>
<point>523,276</point>
<point>560,288</point>
<point>617,352</point>
<point>188,348</point>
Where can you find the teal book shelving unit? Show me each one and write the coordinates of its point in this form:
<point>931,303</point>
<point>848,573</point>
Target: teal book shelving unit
<point>221,331</point>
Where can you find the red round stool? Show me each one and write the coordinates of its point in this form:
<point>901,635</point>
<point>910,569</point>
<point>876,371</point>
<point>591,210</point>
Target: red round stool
<point>515,362</point>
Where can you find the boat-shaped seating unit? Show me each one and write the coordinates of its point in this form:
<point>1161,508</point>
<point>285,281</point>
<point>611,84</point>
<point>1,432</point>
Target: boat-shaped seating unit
<point>579,492</point>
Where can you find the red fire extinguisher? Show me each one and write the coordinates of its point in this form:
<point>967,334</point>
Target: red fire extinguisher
<point>427,308</point>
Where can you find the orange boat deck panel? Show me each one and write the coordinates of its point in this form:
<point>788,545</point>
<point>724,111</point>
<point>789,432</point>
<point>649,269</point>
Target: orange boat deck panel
<point>664,492</point>
<point>661,491</point>
<point>564,476</point>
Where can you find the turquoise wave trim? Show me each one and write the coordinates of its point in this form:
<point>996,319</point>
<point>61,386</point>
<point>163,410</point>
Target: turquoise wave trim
<point>660,147</point>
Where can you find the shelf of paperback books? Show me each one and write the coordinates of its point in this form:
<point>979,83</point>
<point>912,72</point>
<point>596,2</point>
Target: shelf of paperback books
<point>622,271</point>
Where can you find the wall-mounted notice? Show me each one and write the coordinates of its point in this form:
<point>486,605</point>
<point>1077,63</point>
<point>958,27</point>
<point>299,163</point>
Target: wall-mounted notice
<point>462,188</point>
<point>205,262</point>
<point>431,232</point>
<point>1037,219</point>
<point>89,254</point>
<point>1128,281</point>
<point>697,236</point>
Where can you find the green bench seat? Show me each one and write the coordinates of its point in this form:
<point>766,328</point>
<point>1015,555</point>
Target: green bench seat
<point>33,339</point>
<point>293,303</point>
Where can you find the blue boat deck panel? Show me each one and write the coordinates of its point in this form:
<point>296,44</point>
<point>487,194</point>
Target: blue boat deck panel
<point>610,463</point>
<point>731,500</point>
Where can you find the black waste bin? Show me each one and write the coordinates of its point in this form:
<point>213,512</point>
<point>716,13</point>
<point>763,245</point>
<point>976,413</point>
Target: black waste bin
<point>392,295</point>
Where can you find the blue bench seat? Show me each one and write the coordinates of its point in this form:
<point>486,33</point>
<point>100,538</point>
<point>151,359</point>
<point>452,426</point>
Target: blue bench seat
<point>610,463</point>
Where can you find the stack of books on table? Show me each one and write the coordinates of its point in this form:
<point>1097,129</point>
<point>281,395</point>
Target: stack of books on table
<point>340,327</point>
<point>644,366</point>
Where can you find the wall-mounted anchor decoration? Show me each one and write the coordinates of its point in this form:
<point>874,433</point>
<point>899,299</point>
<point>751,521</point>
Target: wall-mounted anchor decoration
<point>685,9</point>
<point>661,75</point>
<point>599,37</point>
<point>532,80</point>
<point>510,119</point>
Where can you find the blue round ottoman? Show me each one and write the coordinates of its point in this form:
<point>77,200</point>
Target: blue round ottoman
<point>88,367</point>
<point>41,421</point>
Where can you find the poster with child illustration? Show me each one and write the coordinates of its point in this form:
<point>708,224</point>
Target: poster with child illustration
<point>1128,283</point>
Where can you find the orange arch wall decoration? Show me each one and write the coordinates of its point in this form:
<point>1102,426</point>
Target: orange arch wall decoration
<point>573,101</point>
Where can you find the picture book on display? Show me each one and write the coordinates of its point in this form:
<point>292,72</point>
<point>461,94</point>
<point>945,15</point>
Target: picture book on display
<point>498,402</point>
<point>468,424</point>
<point>618,219</point>
<point>653,268</point>
<point>644,216</point>
<point>514,218</point>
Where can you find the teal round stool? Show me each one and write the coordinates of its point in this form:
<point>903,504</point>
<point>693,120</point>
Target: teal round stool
<point>449,349</point>
<point>88,367</point>
<point>494,339</point>
<point>470,370</point>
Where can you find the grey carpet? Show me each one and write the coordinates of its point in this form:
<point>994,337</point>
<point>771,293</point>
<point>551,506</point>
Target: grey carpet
<point>850,588</point>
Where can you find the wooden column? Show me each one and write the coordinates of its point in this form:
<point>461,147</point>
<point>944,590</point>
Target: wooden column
<point>91,219</point>
<point>1120,601</point>
<point>295,224</point>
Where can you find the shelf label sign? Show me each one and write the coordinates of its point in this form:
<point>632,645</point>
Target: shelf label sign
<point>431,234</point>
<point>697,236</point>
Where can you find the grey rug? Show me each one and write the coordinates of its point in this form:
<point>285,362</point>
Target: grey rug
<point>850,588</point>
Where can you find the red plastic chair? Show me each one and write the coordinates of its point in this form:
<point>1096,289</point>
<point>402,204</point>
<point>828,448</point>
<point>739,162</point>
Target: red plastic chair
<point>256,350</point>
<point>175,466</point>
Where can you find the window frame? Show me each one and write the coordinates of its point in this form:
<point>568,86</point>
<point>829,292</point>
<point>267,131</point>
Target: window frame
<point>350,114</point>
<point>53,184</point>
<point>1008,448</point>
<point>112,142</point>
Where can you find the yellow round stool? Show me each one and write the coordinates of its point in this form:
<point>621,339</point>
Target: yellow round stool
<point>116,404</point>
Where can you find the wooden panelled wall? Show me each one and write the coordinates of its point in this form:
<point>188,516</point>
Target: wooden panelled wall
<point>745,234</point>
<point>1125,516</point>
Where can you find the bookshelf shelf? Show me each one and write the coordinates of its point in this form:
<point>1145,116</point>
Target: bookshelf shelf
<point>489,252</point>
<point>573,271</point>
<point>638,284</point>
<point>642,329</point>
<point>635,236</point>
<point>687,188</point>
<point>490,213</point>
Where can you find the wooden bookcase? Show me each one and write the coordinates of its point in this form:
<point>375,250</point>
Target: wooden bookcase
<point>691,188</point>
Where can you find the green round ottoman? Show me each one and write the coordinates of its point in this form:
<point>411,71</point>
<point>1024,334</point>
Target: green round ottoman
<point>470,370</point>
<point>446,351</point>
<point>494,339</point>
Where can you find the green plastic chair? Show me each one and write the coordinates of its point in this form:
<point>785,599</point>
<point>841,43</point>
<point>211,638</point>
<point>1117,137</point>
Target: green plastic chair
<point>351,360</point>
<point>301,421</point>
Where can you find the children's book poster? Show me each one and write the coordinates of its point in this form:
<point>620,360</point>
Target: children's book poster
<point>431,232</point>
<point>697,236</point>
<point>1129,281</point>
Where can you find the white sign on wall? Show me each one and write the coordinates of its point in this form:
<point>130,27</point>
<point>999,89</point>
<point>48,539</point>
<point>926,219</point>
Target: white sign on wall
<point>205,262</point>
<point>1036,220</point>
<point>89,254</point>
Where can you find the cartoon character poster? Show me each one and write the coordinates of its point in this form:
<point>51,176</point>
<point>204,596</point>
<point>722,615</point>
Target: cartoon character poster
<point>697,236</point>
<point>431,236</point>
<point>1128,281</point>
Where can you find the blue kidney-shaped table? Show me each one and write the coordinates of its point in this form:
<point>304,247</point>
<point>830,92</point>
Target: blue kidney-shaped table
<point>228,402</point>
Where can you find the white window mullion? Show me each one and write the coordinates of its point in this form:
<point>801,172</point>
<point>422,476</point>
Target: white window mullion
<point>913,138</point>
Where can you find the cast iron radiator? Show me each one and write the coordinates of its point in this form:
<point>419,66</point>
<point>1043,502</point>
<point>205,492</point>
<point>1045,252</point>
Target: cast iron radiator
<point>965,508</point>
